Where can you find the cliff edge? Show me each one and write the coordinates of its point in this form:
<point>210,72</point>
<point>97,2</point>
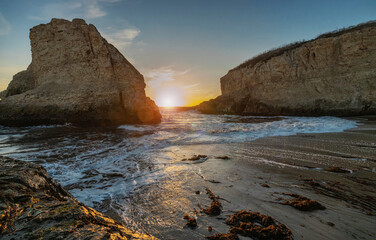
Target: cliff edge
<point>333,74</point>
<point>76,76</point>
<point>34,206</point>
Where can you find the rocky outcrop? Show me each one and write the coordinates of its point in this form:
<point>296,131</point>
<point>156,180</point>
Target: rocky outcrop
<point>334,74</point>
<point>34,206</point>
<point>76,76</point>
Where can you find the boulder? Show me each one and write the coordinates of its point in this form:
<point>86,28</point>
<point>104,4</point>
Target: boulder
<point>34,206</point>
<point>76,76</point>
<point>333,74</point>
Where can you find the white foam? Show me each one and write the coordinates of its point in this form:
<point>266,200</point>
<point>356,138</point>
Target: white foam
<point>82,159</point>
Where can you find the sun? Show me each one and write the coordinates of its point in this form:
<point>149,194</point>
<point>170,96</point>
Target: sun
<point>169,97</point>
<point>168,102</point>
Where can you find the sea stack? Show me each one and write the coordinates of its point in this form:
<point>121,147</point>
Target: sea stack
<point>76,76</point>
<point>333,74</point>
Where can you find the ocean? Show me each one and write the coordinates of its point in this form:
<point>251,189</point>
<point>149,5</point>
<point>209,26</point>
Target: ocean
<point>126,171</point>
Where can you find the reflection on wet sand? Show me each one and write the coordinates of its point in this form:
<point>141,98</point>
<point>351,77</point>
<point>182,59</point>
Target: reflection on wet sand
<point>136,174</point>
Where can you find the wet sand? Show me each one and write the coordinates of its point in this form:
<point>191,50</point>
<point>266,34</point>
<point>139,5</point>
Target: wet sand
<point>295,164</point>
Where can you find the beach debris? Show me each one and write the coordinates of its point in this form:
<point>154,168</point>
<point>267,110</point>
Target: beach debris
<point>223,236</point>
<point>302,203</point>
<point>223,157</point>
<point>197,192</point>
<point>211,194</point>
<point>210,228</point>
<point>311,182</point>
<point>257,226</point>
<point>213,181</point>
<point>215,207</point>
<point>363,181</point>
<point>331,224</point>
<point>191,222</point>
<point>195,158</point>
<point>265,185</point>
<point>338,170</point>
<point>345,193</point>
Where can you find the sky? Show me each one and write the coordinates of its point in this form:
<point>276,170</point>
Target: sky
<point>182,48</point>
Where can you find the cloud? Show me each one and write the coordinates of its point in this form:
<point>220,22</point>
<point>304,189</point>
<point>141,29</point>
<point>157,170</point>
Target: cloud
<point>156,77</point>
<point>93,10</point>
<point>191,86</point>
<point>4,25</point>
<point>74,9</point>
<point>122,38</point>
<point>110,1</point>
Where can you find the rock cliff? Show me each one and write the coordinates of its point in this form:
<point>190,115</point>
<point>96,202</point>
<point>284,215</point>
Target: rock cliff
<point>76,76</point>
<point>34,206</point>
<point>333,74</point>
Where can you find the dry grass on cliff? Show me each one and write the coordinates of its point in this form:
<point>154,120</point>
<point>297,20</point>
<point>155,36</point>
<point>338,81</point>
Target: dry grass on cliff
<point>280,50</point>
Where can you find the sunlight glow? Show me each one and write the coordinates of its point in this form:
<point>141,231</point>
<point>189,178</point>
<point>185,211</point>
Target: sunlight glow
<point>168,102</point>
<point>169,97</point>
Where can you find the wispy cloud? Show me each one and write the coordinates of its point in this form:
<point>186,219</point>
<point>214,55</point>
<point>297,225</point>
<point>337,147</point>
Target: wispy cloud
<point>122,38</point>
<point>74,9</point>
<point>110,1</point>
<point>191,86</point>
<point>156,77</point>
<point>4,25</point>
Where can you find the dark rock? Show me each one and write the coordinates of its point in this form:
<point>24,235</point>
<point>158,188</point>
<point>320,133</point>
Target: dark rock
<point>34,206</point>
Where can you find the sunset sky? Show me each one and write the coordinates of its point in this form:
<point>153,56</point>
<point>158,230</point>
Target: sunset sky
<point>181,47</point>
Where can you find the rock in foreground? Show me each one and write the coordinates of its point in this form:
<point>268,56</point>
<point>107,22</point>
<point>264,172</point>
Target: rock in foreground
<point>34,206</point>
<point>76,76</point>
<point>334,74</point>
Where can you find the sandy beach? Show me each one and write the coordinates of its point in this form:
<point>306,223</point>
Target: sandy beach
<point>209,167</point>
<point>295,164</point>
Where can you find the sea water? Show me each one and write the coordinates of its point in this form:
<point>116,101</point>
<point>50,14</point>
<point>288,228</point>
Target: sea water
<point>108,165</point>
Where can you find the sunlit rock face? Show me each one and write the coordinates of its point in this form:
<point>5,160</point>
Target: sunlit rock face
<point>334,74</point>
<point>76,76</point>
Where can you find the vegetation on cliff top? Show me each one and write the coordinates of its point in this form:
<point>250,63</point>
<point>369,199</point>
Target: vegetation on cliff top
<point>280,50</point>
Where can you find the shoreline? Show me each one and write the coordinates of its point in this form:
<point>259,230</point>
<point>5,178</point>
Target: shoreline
<point>255,176</point>
<point>295,164</point>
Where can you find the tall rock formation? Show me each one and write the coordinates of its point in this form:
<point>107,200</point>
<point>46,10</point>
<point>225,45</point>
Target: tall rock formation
<point>334,74</point>
<point>76,76</point>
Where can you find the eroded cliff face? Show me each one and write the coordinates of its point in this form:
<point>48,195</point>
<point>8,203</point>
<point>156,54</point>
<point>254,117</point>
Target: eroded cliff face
<point>34,206</point>
<point>76,76</point>
<point>334,74</point>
